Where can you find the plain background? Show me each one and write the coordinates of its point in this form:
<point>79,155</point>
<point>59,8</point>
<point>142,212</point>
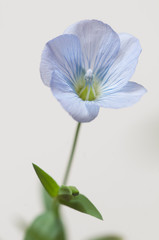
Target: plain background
<point>117,160</point>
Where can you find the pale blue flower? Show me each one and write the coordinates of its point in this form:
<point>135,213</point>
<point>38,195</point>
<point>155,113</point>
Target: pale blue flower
<point>89,67</point>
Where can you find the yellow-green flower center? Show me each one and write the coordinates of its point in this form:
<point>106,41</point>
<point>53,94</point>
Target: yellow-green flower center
<point>87,87</point>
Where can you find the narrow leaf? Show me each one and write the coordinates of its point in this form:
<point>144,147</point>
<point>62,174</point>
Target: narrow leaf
<point>45,227</point>
<point>82,204</point>
<point>48,182</point>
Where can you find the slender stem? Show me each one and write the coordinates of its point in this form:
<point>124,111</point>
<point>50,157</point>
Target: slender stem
<point>72,154</point>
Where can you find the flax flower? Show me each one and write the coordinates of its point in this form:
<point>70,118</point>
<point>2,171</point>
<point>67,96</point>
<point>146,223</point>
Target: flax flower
<point>89,67</point>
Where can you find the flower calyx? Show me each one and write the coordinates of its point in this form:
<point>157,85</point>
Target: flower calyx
<point>67,193</point>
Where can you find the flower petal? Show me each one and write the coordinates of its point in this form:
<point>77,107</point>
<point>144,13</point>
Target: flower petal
<point>62,53</point>
<point>99,43</point>
<point>124,66</point>
<point>81,111</point>
<point>127,96</point>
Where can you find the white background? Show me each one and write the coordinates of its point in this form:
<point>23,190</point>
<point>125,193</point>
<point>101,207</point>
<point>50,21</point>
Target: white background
<point>117,160</point>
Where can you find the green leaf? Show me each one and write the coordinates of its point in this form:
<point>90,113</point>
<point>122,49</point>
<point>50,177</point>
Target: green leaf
<point>46,227</point>
<point>48,182</point>
<point>108,238</point>
<point>82,204</point>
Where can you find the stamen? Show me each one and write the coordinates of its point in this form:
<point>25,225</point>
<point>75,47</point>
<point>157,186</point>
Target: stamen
<point>82,90</point>
<point>88,92</point>
<point>89,76</point>
<point>93,91</point>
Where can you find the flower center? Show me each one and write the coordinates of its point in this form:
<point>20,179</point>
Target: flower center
<point>87,86</point>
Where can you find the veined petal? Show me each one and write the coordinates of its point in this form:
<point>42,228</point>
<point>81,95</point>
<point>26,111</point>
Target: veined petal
<point>125,97</point>
<point>124,66</point>
<point>81,111</point>
<point>62,53</point>
<point>99,43</point>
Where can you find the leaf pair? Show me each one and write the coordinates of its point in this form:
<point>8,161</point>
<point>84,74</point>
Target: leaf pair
<point>67,195</point>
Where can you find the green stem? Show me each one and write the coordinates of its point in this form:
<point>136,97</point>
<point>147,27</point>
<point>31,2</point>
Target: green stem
<point>72,154</point>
